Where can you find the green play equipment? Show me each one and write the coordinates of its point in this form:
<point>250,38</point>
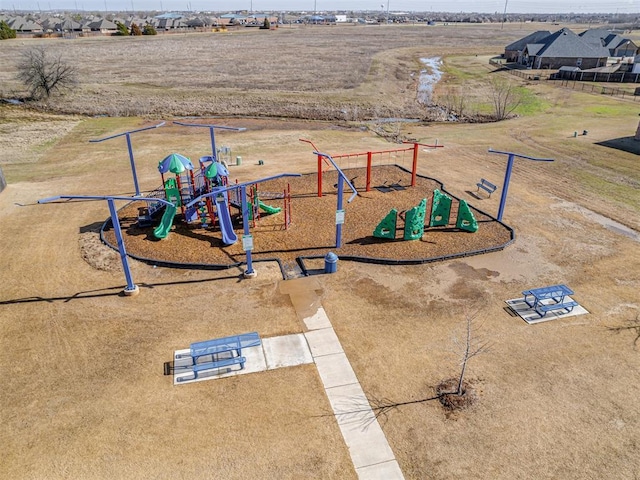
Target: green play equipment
<point>441,209</point>
<point>466,220</point>
<point>269,209</point>
<point>387,227</point>
<point>414,221</point>
<point>172,191</point>
<point>162,230</point>
<point>265,208</point>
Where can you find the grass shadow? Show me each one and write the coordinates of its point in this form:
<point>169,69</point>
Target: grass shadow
<point>626,144</point>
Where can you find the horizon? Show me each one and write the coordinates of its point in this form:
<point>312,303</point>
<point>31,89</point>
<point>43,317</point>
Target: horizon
<point>491,7</point>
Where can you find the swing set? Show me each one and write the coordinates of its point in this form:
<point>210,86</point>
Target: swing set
<point>371,159</point>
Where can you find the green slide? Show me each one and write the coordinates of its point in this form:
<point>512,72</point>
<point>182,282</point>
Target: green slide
<point>270,210</point>
<point>162,230</point>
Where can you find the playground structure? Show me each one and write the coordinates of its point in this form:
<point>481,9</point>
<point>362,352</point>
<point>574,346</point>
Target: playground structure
<point>440,216</point>
<point>210,178</point>
<point>369,160</point>
<point>204,198</point>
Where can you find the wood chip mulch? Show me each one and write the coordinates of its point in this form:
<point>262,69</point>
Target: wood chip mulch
<point>312,231</point>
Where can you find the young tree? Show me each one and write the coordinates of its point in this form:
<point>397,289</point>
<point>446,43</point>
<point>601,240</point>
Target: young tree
<point>453,103</point>
<point>135,29</point>
<point>6,31</point>
<point>455,393</point>
<point>122,29</point>
<point>469,349</point>
<point>266,24</point>
<point>505,96</point>
<point>44,73</point>
<point>149,30</point>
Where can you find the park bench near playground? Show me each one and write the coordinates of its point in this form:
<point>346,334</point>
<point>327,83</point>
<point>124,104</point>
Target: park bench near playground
<point>535,298</point>
<point>224,352</point>
<point>487,186</point>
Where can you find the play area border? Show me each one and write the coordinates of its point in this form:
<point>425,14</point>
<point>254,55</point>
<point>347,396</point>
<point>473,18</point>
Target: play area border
<point>300,260</point>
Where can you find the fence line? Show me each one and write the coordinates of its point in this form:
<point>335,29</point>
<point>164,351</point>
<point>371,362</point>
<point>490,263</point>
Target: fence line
<point>576,77</point>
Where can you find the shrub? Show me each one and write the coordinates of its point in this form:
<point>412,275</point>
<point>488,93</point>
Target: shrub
<point>122,29</point>
<point>6,32</point>
<point>149,30</point>
<point>135,30</point>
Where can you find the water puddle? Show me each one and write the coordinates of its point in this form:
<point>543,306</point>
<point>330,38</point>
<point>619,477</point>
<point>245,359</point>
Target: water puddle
<point>304,294</point>
<point>428,78</point>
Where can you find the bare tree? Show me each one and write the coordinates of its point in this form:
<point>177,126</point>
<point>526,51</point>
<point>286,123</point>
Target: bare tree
<point>471,347</point>
<point>453,103</point>
<point>44,73</point>
<point>505,96</point>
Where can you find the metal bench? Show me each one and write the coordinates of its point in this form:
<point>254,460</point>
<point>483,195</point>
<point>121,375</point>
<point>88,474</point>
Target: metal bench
<point>542,309</point>
<point>225,362</point>
<point>218,346</point>
<point>487,186</point>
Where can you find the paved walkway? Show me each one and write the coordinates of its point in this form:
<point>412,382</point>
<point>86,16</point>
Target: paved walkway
<point>370,452</point>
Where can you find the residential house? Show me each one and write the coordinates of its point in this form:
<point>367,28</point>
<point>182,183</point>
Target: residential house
<point>513,51</point>
<point>617,45</point>
<point>564,48</point>
<point>103,26</point>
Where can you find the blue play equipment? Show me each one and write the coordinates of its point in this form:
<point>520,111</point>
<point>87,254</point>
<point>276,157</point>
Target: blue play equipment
<point>342,178</point>
<point>244,207</point>
<point>507,175</point>
<point>131,288</point>
<point>229,237</point>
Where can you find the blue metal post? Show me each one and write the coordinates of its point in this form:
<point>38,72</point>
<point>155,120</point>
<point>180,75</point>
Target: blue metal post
<point>131,287</point>
<point>133,165</point>
<point>213,142</point>
<point>245,226</point>
<point>338,208</point>
<point>505,185</point>
<point>507,175</point>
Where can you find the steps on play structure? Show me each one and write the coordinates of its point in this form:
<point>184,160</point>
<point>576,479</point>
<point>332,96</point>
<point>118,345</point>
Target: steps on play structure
<point>414,221</point>
<point>466,220</point>
<point>441,209</point>
<point>387,227</point>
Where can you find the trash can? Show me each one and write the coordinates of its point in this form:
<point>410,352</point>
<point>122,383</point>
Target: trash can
<point>238,160</point>
<point>330,263</point>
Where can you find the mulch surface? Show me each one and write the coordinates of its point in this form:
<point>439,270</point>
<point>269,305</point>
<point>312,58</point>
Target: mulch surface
<point>312,231</point>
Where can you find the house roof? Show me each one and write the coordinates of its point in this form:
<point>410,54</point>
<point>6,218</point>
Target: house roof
<point>606,38</point>
<point>102,24</point>
<point>67,25</point>
<point>534,37</point>
<point>566,44</point>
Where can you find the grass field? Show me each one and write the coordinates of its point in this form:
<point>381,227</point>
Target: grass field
<point>84,392</point>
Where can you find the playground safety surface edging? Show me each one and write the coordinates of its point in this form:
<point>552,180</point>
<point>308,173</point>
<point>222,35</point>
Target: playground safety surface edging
<point>303,260</point>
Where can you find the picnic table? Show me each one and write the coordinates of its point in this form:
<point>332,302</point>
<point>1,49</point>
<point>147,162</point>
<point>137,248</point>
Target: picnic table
<point>224,352</point>
<point>535,298</point>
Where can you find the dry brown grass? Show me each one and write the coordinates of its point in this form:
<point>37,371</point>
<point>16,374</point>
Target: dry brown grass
<point>84,395</point>
<point>340,72</point>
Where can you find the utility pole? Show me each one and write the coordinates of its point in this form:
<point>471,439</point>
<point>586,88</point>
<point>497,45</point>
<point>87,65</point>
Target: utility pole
<point>504,15</point>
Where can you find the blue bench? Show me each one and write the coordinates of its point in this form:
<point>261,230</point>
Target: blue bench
<point>542,309</point>
<point>226,362</point>
<point>233,344</point>
<point>487,186</point>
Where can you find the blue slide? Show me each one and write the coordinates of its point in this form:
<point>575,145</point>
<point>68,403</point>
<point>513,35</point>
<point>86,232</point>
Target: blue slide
<point>229,237</point>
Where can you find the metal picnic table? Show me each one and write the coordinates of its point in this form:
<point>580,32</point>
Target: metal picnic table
<point>219,346</point>
<point>535,297</point>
